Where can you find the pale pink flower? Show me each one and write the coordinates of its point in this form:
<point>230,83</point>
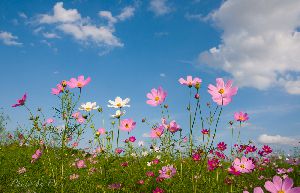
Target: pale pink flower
<point>49,120</point>
<point>56,91</point>
<point>190,81</point>
<point>256,190</point>
<point>222,93</point>
<point>80,164</point>
<point>20,102</point>
<point>79,83</point>
<point>76,115</point>
<point>157,132</point>
<point>243,165</point>
<point>75,144</point>
<point>173,127</point>
<point>100,131</point>
<point>80,120</point>
<point>156,97</point>
<point>279,186</point>
<point>74,176</point>
<point>241,116</point>
<point>36,155</point>
<point>127,125</point>
<point>167,172</point>
<point>21,170</point>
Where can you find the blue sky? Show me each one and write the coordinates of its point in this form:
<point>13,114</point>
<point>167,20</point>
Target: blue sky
<point>129,47</point>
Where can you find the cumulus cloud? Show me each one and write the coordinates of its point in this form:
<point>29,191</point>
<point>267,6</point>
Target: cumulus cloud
<point>8,39</point>
<point>277,139</point>
<point>260,43</point>
<point>70,22</point>
<point>160,7</point>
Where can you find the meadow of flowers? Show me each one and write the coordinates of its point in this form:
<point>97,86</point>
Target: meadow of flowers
<point>46,157</point>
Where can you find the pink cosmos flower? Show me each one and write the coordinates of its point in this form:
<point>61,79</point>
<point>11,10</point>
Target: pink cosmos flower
<point>76,115</point>
<point>221,146</point>
<point>56,91</point>
<point>190,81</point>
<point>241,116</point>
<point>167,172</point>
<point>49,120</point>
<point>157,132</point>
<point>173,127</point>
<point>279,186</point>
<point>185,139</point>
<point>156,97</point>
<point>118,150</point>
<point>100,131</point>
<point>20,102</point>
<point>213,163</point>
<point>36,155</point>
<point>267,149</point>
<point>243,165</point>
<point>127,125</point>
<point>205,131</point>
<point>80,120</point>
<point>158,190</point>
<point>79,83</point>
<point>80,164</point>
<point>222,93</point>
<point>150,174</point>
<point>132,139</point>
<point>256,190</point>
<point>196,157</point>
<point>233,171</point>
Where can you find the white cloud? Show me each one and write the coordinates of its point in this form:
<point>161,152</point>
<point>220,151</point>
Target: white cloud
<point>8,39</point>
<point>23,15</point>
<point>162,75</point>
<point>70,22</point>
<point>51,35</point>
<point>277,139</point>
<point>160,7</point>
<point>190,16</point>
<point>260,44</point>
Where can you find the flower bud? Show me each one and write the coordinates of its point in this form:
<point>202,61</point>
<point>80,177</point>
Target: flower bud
<point>197,96</point>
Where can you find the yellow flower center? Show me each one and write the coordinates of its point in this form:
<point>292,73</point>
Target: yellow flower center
<point>168,172</point>
<point>156,98</point>
<point>242,166</point>
<point>280,191</point>
<point>221,91</point>
<point>79,84</point>
<point>126,125</point>
<point>119,105</point>
<point>88,108</point>
<point>158,133</point>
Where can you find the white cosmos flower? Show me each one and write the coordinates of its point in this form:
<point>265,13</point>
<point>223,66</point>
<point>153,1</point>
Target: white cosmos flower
<point>89,106</point>
<point>118,114</point>
<point>119,102</point>
<point>141,143</point>
<point>149,163</point>
<point>144,153</point>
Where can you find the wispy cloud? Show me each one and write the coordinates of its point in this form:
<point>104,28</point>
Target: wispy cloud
<point>23,15</point>
<point>8,39</point>
<point>260,43</point>
<point>82,29</point>
<point>161,34</point>
<point>278,139</point>
<point>162,75</point>
<point>160,7</point>
<point>51,35</point>
<point>198,17</point>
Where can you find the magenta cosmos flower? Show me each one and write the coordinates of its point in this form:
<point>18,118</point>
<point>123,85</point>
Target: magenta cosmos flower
<point>157,132</point>
<point>243,165</point>
<point>56,91</point>
<point>279,186</point>
<point>190,81</point>
<point>79,83</point>
<point>222,146</point>
<point>241,116</point>
<point>256,190</point>
<point>222,93</point>
<point>20,102</point>
<point>173,127</point>
<point>156,97</point>
<point>127,125</point>
<point>167,172</point>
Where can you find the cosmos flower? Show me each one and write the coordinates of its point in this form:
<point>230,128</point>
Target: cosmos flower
<point>36,155</point>
<point>190,81</point>
<point>173,127</point>
<point>89,106</point>
<point>20,102</point>
<point>158,190</point>
<point>74,176</point>
<point>127,125</point>
<point>243,165</point>
<point>156,97</point>
<point>100,131</point>
<point>205,131</point>
<point>132,139</point>
<point>157,132</point>
<point>222,146</point>
<point>80,164</point>
<point>79,83</point>
<point>118,114</point>
<point>167,172</point>
<point>119,103</point>
<point>56,91</point>
<point>281,186</point>
<point>256,190</point>
<point>222,93</point>
<point>241,116</point>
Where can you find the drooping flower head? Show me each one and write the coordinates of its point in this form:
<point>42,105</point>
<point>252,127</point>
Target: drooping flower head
<point>157,132</point>
<point>20,102</point>
<point>241,116</point>
<point>118,114</point>
<point>205,131</point>
<point>132,139</point>
<point>56,91</point>
<point>127,125</point>
<point>119,103</point>
<point>156,97</point>
<point>281,186</point>
<point>243,165</point>
<point>222,93</point>
<point>78,83</point>
<point>190,82</point>
<point>167,172</point>
<point>89,106</point>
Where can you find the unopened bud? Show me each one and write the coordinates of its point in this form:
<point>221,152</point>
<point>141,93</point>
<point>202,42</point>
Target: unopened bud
<point>166,106</point>
<point>197,96</point>
<point>64,83</point>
